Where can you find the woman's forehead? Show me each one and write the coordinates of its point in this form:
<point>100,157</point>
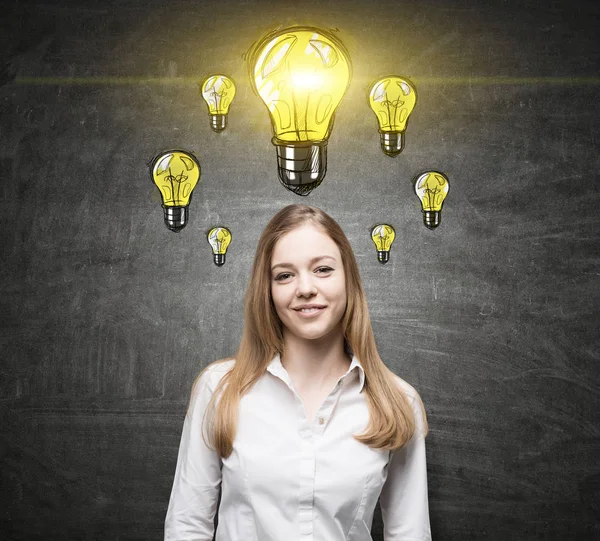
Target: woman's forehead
<point>307,241</point>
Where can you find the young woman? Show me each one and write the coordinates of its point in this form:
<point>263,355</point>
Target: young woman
<point>306,428</point>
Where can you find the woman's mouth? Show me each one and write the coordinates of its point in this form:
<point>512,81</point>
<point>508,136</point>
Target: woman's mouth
<point>309,311</point>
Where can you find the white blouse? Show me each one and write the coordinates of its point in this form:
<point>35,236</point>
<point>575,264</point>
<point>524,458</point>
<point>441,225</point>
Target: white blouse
<point>290,480</point>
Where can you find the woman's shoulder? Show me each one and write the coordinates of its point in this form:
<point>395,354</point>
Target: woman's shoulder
<point>410,392</point>
<point>221,367</point>
<point>213,373</point>
<point>206,382</point>
<point>414,399</point>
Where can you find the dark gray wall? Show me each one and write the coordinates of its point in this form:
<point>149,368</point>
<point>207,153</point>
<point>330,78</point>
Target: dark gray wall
<point>107,316</point>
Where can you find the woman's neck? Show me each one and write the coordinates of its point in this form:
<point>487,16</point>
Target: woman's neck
<point>314,364</point>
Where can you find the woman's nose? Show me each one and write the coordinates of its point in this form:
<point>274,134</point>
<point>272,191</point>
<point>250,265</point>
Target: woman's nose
<point>306,286</point>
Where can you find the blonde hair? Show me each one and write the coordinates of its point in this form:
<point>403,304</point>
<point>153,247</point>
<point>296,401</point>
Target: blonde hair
<point>392,421</point>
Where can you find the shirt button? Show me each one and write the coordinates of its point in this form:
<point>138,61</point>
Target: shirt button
<point>321,420</point>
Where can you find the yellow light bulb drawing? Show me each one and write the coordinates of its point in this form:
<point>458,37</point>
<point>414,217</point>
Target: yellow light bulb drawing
<point>219,238</point>
<point>175,173</point>
<point>392,99</point>
<point>301,74</point>
<point>218,92</point>
<point>432,188</point>
<point>383,236</point>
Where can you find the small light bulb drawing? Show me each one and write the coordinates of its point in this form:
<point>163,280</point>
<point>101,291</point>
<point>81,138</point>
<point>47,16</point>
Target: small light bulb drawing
<point>218,92</point>
<point>432,188</point>
<point>219,239</point>
<point>301,74</point>
<point>175,173</point>
<point>383,236</point>
<point>392,99</point>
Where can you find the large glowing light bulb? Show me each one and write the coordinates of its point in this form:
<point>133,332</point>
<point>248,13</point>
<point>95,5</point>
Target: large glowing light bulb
<point>392,99</point>
<point>431,187</point>
<point>301,74</point>
<point>218,92</point>
<point>219,239</point>
<point>175,173</point>
<point>383,236</point>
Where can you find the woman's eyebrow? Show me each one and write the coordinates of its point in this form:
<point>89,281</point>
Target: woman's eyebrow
<point>312,261</point>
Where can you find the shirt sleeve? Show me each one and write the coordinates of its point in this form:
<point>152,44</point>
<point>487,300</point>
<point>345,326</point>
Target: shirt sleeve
<point>196,486</point>
<point>404,501</point>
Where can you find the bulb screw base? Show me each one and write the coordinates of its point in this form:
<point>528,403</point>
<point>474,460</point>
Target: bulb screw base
<point>219,259</point>
<point>176,218</point>
<point>218,122</point>
<point>301,166</point>
<point>383,256</point>
<point>392,142</point>
<point>431,218</point>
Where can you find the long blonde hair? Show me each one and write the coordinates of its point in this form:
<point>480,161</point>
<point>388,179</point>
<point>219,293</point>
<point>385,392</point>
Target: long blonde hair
<point>392,421</point>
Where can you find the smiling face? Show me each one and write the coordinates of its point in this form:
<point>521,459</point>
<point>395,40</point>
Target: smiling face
<point>308,283</point>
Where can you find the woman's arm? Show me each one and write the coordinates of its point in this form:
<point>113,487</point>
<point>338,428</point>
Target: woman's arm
<point>197,482</point>
<point>404,501</point>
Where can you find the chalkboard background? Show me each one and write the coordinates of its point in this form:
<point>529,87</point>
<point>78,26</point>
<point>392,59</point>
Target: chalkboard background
<point>107,316</point>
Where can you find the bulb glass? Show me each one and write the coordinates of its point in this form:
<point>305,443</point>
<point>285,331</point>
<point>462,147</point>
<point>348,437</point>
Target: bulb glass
<point>219,239</point>
<point>176,174</point>
<point>301,74</point>
<point>218,91</point>
<point>432,187</point>
<point>383,236</point>
<point>392,99</point>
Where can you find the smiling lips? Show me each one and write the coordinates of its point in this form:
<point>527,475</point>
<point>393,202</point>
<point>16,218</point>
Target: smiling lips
<point>308,310</point>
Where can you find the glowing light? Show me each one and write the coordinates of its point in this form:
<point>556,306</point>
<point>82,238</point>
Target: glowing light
<point>301,74</point>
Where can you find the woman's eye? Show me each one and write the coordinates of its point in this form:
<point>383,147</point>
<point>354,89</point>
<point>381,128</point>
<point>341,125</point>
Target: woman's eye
<point>323,270</point>
<point>282,276</point>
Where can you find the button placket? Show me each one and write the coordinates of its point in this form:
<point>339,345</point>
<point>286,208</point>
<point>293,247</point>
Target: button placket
<point>326,410</point>
<point>307,482</point>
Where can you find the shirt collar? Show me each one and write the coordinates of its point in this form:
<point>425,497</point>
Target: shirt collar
<point>277,369</point>
<point>361,372</point>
